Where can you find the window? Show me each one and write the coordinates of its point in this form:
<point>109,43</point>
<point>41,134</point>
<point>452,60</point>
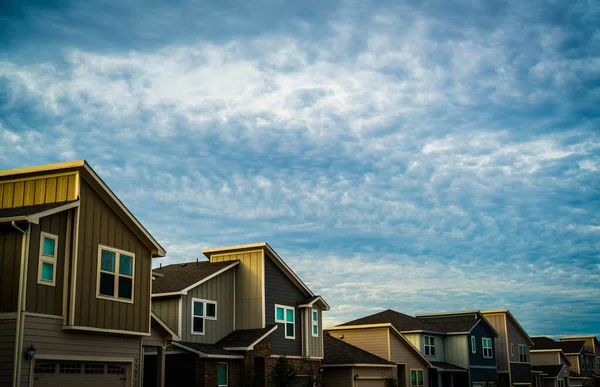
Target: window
<point>48,255</point>
<point>512,349</point>
<point>202,310</point>
<point>45,368</point>
<point>287,316</point>
<point>95,369</point>
<point>115,274</point>
<point>416,378</point>
<point>222,374</point>
<point>429,345</point>
<point>115,369</point>
<point>70,368</point>
<point>487,347</point>
<point>522,353</point>
<point>315,323</point>
<point>473,344</point>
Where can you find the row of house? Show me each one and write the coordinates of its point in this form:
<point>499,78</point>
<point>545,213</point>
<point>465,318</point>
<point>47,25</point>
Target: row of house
<point>81,305</point>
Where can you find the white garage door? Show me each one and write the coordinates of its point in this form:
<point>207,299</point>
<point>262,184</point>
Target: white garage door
<point>68,374</point>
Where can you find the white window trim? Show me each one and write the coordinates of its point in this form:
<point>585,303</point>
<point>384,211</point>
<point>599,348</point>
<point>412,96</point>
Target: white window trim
<point>118,253</point>
<point>473,344</point>
<point>525,353</point>
<point>512,349</point>
<point>314,323</point>
<point>226,373</point>
<point>485,348</point>
<point>417,372</point>
<point>48,259</point>
<point>204,317</point>
<point>425,346</point>
<point>285,308</point>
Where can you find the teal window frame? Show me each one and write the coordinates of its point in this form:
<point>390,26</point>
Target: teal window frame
<point>47,259</point>
<point>117,272</point>
<point>286,319</point>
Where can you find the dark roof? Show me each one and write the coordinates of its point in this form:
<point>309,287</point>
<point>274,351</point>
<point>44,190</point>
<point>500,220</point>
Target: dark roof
<point>402,322</point>
<point>209,349</point>
<point>574,346</point>
<point>244,338</point>
<point>551,370</point>
<point>447,366</point>
<point>30,210</point>
<point>340,352</point>
<point>179,276</point>
<point>461,325</point>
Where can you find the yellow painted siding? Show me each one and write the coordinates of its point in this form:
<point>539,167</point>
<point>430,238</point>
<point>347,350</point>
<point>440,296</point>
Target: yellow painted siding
<point>498,321</point>
<point>249,287</point>
<point>415,339</point>
<point>374,340</point>
<point>45,189</point>
<point>455,350</point>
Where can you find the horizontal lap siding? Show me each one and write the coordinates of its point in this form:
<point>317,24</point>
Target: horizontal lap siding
<point>10,258</point>
<point>402,354</point>
<point>167,308</point>
<point>48,338</point>
<point>99,224</point>
<point>44,298</point>
<point>7,347</point>
<point>248,288</point>
<point>374,340</point>
<point>545,358</point>
<point>219,289</point>
<point>38,190</point>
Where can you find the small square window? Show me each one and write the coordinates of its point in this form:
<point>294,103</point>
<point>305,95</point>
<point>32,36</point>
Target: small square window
<point>47,271</point>
<point>49,246</point>
<point>48,259</point>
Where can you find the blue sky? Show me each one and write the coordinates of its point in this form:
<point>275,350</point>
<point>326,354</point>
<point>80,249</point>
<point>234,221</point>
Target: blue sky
<point>423,156</point>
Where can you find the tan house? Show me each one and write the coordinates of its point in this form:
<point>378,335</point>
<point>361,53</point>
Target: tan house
<point>75,280</point>
<point>589,359</point>
<point>547,351</point>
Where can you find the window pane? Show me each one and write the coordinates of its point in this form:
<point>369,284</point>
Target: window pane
<point>279,314</point>
<point>108,261</point>
<point>413,377</point>
<point>198,308</point>
<point>315,316</point>
<point>125,287</point>
<point>211,310</point>
<point>126,265</point>
<point>315,330</point>
<point>47,271</point>
<point>289,329</point>
<point>289,315</point>
<point>432,340</point>
<point>427,350</point>
<point>49,246</point>
<point>222,374</point>
<point>107,284</point>
<point>420,374</point>
<point>432,351</point>
<point>198,324</point>
<point>426,340</point>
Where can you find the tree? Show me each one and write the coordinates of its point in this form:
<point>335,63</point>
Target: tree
<point>283,373</point>
<point>390,381</point>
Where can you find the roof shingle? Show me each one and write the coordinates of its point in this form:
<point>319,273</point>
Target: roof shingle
<point>244,338</point>
<point>541,342</point>
<point>179,276</point>
<point>340,352</point>
<point>551,370</point>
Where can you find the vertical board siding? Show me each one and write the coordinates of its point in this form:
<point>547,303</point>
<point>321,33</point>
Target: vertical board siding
<point>48,338</point>
<point>498,321</point>
<point>219,289</point>
<point>7,347</point>
<point>374,340</point>
<point>279,289</point>
<point>402,354</point>
<point>315,344</point>
<point>10,259</point>
<point>456,350</point>
<point>100,225</point>
<point>45,298</point>
<point>38,190</point>
<point>415,339</point>
<point>479,332</point>
<point>248,287</point>
<point>515,336</point>
<point>168,311</point>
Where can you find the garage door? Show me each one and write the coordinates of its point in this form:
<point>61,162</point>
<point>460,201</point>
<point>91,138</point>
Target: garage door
<point>68,374</point>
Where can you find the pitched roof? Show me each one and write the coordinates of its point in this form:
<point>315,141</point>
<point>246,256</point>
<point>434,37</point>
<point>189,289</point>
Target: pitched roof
<point>245,339</point>
<point>34,213</point>
<point>338,352</point>
<point>207,350</point>
<point>180,276</point>
<point>512,318</point>
<point>442,365</point>
<point>402,322</point>
<point>551,370</point>
<point>312,300</point>
<point>570,346</point>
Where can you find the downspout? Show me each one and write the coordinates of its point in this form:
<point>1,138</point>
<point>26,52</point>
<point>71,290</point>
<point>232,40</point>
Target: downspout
<point>20,307</point>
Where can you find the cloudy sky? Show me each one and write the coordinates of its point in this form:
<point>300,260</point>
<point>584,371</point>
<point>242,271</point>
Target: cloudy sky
<point>424,156</point>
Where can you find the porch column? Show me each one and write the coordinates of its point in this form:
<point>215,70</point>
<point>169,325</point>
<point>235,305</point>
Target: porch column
<point>452,379</point>
<point>439,376</point>
<point>160,366</point>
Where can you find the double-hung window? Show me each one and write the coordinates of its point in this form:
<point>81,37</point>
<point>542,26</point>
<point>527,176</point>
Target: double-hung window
<point>222,375</point>
<point>416,378</point>
<point>429,346</point>
<point>115,274</point>
<point>487,347</point>
<point>522,353</point>
<point>473,344</point>
<point>286,315</point>
<point>48,256</point>
<point>560,383</point>
<point>202,310</point>
<point>315,323</point>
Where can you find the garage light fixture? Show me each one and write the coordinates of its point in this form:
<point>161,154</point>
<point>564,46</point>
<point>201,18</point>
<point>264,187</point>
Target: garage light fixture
<point>30,354</point>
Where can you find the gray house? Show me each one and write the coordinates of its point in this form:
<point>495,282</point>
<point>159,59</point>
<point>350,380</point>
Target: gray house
<point>236,314</point>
